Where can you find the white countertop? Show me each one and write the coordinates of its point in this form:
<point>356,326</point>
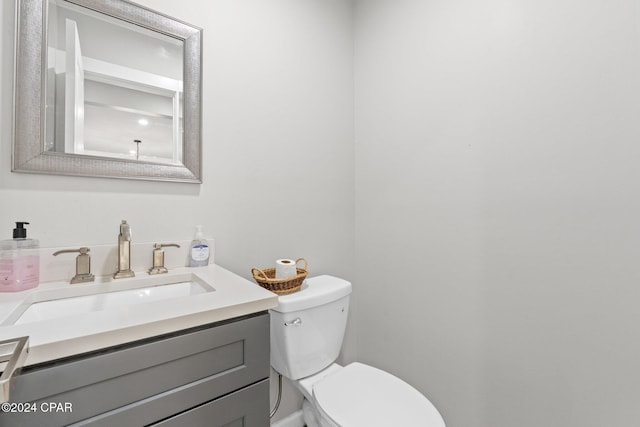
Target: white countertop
<point>71,334</point>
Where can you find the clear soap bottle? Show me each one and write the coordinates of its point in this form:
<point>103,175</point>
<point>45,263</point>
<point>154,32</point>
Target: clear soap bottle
<point>19,261</point>
<point>199,252</point>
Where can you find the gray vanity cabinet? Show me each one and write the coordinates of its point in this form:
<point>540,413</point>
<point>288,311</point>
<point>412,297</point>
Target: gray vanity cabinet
<point>214,375</point>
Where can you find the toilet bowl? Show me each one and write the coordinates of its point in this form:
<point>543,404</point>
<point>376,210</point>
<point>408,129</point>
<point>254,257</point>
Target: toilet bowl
<point>307,329</point>
<point>360,395</point>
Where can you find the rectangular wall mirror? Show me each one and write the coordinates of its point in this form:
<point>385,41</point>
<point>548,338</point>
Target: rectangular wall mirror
<point>106,88</point>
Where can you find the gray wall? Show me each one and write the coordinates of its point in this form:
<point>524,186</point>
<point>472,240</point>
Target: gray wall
<point>497,183</point>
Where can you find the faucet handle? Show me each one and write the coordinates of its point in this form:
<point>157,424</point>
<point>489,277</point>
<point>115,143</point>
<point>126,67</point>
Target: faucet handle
<point>165,245</point>
<point>83,264</point>
<point>158,257</point>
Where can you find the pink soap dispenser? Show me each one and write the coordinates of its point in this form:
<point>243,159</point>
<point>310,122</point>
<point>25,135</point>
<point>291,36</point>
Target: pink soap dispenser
<point>19,261</point>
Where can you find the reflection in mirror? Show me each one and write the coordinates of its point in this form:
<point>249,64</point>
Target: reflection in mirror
<point>109,84</point>
<point>119,91</point>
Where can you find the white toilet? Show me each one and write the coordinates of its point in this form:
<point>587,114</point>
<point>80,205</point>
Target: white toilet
<point>307,328</point>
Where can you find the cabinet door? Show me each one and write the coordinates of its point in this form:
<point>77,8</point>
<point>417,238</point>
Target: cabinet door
<point>144,382</point>
<point>248,407</point>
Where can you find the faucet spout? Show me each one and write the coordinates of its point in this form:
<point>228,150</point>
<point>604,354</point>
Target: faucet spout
<point>125,231</point>
<point>124,252</point>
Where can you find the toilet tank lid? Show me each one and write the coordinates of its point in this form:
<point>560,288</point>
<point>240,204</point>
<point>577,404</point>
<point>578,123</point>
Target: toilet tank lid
<point>314,292</point>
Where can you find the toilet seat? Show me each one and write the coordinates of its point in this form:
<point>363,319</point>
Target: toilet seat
<point>359,395</point>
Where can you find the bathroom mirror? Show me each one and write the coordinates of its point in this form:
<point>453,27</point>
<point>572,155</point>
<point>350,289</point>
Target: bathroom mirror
<point>106,88</point>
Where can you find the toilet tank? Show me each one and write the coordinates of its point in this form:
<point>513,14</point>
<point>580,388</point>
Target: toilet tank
<point>307,327</point>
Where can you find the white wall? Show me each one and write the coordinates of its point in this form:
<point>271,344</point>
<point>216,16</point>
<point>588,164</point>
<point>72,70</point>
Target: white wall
<point>496,178</point>
<point>277,146</point>
<point>277,142</point>
<point>497,206</point>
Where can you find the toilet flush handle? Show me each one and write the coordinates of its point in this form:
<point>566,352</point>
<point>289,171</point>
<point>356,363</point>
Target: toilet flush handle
<point>295,322</point>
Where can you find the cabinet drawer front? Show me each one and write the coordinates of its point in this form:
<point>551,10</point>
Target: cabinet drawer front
<point>216,360</point>
<point>246,408</point>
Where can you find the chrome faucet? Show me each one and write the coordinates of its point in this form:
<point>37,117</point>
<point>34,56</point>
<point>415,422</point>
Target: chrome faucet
<point>124,252</point>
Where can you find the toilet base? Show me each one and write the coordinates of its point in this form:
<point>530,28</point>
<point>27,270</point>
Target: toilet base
<point>312,418</point>
<point>309,415</point>
<point>312,415</point>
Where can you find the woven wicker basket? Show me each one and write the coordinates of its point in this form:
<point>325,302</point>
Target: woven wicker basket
<point>281,286</point>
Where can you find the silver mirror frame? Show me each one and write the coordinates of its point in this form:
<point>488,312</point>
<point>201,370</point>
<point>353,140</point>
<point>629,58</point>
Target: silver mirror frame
<point>28,153</point>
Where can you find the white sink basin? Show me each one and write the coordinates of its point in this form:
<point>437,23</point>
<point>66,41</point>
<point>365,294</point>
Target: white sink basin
<point>81,299</point>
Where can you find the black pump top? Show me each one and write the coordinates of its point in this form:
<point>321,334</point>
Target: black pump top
<point>20,232</point>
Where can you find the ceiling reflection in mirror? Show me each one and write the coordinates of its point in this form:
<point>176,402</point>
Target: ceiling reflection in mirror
<point>113,89</point>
